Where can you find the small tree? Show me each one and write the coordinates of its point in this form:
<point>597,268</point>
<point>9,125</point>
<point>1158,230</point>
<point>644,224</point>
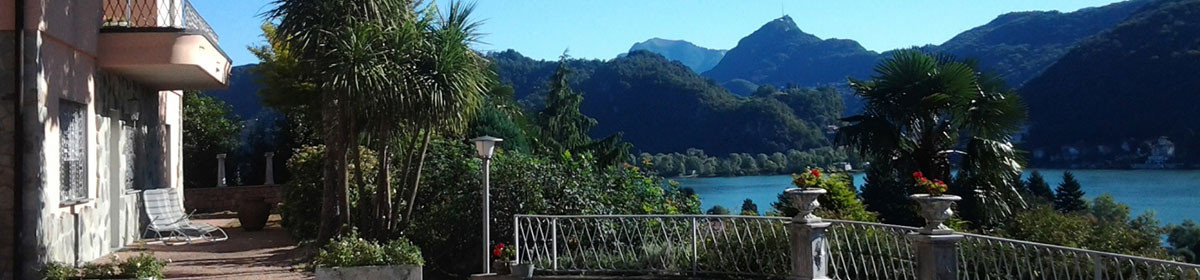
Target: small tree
<point>1108,210</point>
<point>1069,195</point>
<point>749,208</point>
<point>717,210</point>
<point>209,128</point>
<point>1185,240</point>
<point>1037,186</point>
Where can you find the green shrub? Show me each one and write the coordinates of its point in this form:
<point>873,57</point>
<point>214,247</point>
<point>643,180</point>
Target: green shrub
<point>349,250</point>
<point>141,266</point>
<point>302,198</point>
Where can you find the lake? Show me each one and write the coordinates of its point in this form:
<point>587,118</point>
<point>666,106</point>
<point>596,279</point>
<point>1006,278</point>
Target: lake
<point>1173,194</point>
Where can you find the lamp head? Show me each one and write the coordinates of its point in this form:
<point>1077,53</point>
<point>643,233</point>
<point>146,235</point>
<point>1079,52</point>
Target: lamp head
<point>485,146</point>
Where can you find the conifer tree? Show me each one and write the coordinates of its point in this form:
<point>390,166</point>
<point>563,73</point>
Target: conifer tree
<point>749,208</point>
<point>1069,195</point>
<point>1037,186</point>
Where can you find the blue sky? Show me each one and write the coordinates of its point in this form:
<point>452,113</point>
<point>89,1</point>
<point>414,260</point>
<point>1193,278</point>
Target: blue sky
<point>602,29</point>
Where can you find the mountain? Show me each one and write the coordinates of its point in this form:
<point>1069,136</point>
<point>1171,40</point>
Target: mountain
<point>242,93</point>
<point>530,77</point>
<point>698,58</point>
<point>1138,80</point>
<point>1018,46</point>
<point>779,53</point>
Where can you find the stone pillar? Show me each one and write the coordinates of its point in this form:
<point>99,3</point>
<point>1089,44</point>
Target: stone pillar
<point>809,250</point>
<point>937,255</point>
<point>270,174</point>
<point>221,170</point>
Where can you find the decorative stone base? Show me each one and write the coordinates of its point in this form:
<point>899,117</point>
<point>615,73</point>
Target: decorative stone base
<point>397,272</point>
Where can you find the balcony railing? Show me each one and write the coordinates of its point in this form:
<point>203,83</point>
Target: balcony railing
<point>133,14</point>
<point>762,247</point>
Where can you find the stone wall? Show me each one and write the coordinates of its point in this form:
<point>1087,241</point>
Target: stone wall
<point>209,200</point>
<point>8,119</point>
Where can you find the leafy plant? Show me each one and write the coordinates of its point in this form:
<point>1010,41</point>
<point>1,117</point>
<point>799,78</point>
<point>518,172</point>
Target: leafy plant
<point>142,266</point>
<point>349,250</point>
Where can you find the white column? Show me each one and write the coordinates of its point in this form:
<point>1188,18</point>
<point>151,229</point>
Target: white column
<point>221,170</point>
<point>270,174</point>
<point>809,250</point>
<point>937,255</point>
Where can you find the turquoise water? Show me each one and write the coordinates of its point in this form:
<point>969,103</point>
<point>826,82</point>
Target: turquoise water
<point>1173,194</point>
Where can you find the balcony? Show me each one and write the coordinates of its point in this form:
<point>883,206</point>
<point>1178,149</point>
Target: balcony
<point>163,44</point>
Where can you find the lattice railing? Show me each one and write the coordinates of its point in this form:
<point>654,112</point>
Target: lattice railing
<point>155,14</point>
<point>758,247</point>
<point>988,257</point>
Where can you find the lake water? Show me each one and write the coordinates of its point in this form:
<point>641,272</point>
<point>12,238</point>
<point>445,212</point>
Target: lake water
<point>1173,194</point>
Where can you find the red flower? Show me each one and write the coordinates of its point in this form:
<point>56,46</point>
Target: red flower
<point>496,252</point>
<point>815,173</point>
<point>918,175</point>
<point>939,181</point>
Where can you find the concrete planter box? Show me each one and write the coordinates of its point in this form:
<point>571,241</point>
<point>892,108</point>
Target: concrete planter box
<point>398,272</point>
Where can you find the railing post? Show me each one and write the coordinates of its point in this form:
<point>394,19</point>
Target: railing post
<point>554,242</point>
<point>936,244</point>
<point>695,252</point>
<point>808,245</point>
<point>517,236</point>
<point>1098,262</point>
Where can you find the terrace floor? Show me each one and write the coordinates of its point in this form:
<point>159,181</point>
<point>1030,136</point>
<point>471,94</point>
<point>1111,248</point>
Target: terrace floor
<point>267,254</point>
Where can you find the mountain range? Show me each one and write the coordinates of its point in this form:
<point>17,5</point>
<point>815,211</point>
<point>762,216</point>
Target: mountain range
<point>1098,58</point>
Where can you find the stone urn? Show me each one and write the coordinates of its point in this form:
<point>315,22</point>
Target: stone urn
<point>253,212</point>
<point>805,200</point>
<point>522,271</point>
<point>935,209</point>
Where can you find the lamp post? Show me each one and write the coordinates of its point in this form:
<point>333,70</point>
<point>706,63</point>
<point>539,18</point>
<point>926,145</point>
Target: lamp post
<point>484,146</point>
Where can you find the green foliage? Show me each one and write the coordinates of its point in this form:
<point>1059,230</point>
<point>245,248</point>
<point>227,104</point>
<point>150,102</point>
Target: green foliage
<point>1045,225</point>
<point>141,266</point>
<point>349,250</point>
<point>304,192</point>
<point>697,162</point>
<point>563,128</point>
<point>839,202</point>
<point>500,116</point>
<point>1185,240</point>
<point>1106,209</point>
<point>1069,195</point>
<point>921,108</point>
<point>717,210</point>
<point>209,128</point>
<point>1153,45</point>
<point>1037,187</point>
<point>749,208</point>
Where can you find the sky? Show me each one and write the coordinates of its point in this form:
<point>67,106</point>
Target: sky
<point>543,29</point>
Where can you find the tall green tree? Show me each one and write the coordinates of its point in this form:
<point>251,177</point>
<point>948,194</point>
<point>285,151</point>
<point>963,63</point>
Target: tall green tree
<point>749,208</point>
<point>562,127</point>
<point>919,110</point>
<point>1037,187</point>
<point>1068,196</point>
<point>390,74</point>
<point>1185,240</point>
<point>209,128</point>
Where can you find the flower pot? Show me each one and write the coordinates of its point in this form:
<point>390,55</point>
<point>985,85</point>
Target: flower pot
<point>523,271</point>
<point>935,210</point>
<point>500,267</point>
<point>399,272</point>
<point>253,213</point>
<point>805,200</point>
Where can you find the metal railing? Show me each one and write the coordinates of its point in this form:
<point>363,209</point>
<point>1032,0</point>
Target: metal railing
<point>752,246</point>
<point>155,14</point>
<point>989,257</point>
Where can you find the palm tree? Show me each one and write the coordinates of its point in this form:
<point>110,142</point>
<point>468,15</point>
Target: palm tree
<point>920,110</point>
<point>390,72</point>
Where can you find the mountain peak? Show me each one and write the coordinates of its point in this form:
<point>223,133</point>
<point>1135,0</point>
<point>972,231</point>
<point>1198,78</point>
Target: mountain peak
<point>699,59</point>
<point>783,28</point>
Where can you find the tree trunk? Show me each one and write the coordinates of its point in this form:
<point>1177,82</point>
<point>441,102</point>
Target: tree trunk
<point>383,190</point>
<point>343,182</point>
<point>407,149</point>
<point>329,194</point>
<point>417,176</point>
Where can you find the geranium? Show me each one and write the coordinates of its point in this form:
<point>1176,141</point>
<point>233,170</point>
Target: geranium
<point>503,253</point>
<point>812,179</point>
<point>935,187</point>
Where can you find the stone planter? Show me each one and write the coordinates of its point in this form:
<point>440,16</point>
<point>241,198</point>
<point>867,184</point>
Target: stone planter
<point>398,272</point>
<point>253,213</point>
<point>805,200</point>
<point>935,210</point>
<point>523,271</point>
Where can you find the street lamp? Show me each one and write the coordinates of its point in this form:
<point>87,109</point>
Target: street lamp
<point>484,146</point>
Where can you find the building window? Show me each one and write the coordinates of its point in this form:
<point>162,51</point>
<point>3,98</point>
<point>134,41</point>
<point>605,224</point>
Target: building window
<point>72,123</point>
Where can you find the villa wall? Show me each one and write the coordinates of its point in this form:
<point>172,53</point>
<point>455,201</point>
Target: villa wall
<point>209,200</point>
<point>8,154</point>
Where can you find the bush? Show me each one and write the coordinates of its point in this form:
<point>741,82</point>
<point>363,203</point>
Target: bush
<point>349,250</point>
<point>302,197</point>
<point>141,266</point>
<point>839,202</point>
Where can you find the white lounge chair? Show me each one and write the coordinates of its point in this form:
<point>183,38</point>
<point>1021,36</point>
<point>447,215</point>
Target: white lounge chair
<point>166,215</point>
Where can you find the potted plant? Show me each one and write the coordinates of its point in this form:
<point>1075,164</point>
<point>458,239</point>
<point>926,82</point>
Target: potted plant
<point>351,257</point>
<point>505,262</point>
<point>804,195</point>
<point>142,267</point>
<point>935,204</point>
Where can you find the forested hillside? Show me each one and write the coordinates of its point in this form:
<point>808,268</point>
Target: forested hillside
<point>779,53</point>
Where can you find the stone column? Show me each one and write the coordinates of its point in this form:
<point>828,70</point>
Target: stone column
<point>221,170</point>
<point>809,250</point>
<point>937,255</point>
<point>270,174</point>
